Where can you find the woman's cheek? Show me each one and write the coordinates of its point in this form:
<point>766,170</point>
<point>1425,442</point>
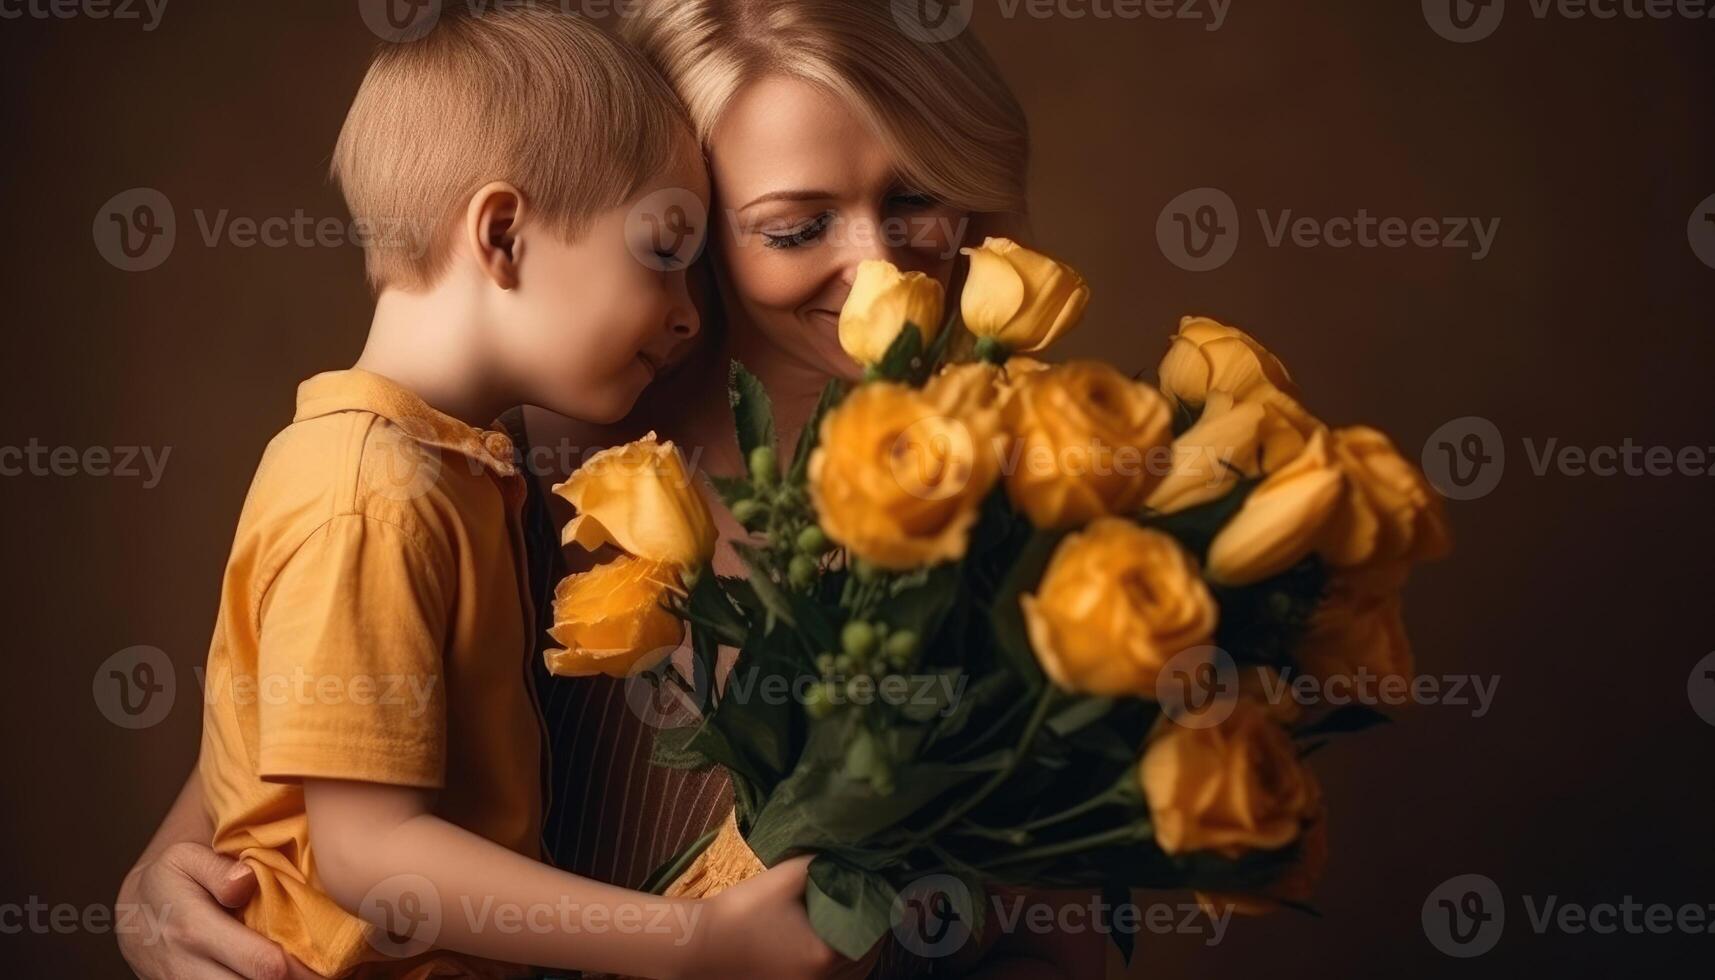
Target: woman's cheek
<point>779,283</point>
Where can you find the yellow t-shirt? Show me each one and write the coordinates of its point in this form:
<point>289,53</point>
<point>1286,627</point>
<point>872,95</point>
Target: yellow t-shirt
<point>375,624</point>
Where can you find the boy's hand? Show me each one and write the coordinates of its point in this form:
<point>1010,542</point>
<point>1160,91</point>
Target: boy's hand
<point>759,929</point>
<point>189,889</point>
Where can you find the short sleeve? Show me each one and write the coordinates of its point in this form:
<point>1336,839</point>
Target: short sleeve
<point>350,675</point>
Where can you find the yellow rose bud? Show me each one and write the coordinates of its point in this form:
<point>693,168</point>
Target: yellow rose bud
<point>639,498</point>
<point>1116,603</point>
<point>882,301</point>
<point>897,480</point>
<point>610,620</point>
<point>1354,632</point>
<point>1087,442</point>
<point>1232,441</point>
<point>1282,519</point>
<point>1296,886</point>
<point>1021,299</point>
<point>1211,457</point>
<point>1231,788</point>
<point>1208,356</point>
<point>1390,515</point>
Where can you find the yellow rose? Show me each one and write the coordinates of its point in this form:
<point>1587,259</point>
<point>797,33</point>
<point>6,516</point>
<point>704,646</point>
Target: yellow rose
<point>882,301</point>
<point>1354,632</point>
<point>1281,521</point>
<point>897,480</point>
<point>1231,788</point>
<point>1116,602</point>
<point>610,620</point>
<point>1390,516</point>
<point>1208,356</point>
<point>1020,299</point>
<point>1087,442</point>
<point>972,387</point>
<point>1295,887</point>
<point>639,498</point>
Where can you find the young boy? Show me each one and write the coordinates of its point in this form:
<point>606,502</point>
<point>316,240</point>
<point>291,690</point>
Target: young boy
<point>370,747</point>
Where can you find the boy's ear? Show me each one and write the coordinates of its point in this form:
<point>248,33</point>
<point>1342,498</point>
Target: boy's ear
<point>496,216</point>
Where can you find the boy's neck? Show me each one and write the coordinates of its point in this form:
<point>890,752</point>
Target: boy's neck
<point>431,344</point>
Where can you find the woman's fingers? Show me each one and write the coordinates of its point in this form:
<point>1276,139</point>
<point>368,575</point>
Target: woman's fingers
<point>230,882</point>
<point>224,941</point>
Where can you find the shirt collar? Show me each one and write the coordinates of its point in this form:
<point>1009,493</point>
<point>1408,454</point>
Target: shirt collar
<point>357,390</point>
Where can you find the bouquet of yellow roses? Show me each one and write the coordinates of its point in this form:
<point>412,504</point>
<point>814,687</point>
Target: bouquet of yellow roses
<point>1034,620</point>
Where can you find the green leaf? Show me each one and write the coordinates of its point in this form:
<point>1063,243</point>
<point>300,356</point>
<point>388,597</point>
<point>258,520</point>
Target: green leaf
<point>675,866</point>
<point>709,608</point>
<point>752,411</point>
<point>849,908</point>
<point>731,489</point>
<point>675,748</point>
<point>921,601</point>
<point>761,581</point>
<point>808,438</point>
<point>1081,713</point>
<point>903,355</point>
<point>1008,616</point>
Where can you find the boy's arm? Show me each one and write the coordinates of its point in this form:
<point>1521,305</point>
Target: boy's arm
<point>497,904</point>
<point>188,888</point>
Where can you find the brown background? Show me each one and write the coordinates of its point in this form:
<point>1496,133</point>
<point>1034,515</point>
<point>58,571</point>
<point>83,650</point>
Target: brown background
<point>1590,322</point>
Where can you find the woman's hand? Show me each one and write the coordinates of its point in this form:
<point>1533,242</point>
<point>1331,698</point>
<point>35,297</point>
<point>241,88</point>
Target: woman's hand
<point>759,929</point>
<point>188,889</point>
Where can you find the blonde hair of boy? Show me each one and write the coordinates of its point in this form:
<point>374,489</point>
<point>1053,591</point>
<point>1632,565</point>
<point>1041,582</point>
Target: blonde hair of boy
<point>525,94</point>
<point>943,110</point>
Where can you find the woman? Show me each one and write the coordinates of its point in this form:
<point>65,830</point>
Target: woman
<point>832,137</point>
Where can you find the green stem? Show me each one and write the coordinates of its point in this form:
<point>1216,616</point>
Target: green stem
<point>1034,725</point>
<point>1089,805</point>
<point>1135,831</point>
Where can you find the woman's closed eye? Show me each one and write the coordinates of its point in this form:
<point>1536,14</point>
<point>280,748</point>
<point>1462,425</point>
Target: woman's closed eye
<point>801,235</point>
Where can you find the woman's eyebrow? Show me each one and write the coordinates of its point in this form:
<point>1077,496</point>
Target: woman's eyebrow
<point>806,195</point>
